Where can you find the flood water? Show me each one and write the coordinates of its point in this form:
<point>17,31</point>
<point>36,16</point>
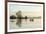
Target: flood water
<point>25,24</point>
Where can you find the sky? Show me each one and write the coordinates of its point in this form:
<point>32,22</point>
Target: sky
<point>24,8</point>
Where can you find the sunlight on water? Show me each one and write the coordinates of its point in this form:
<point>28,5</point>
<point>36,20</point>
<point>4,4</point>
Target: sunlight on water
<point>25,24</point>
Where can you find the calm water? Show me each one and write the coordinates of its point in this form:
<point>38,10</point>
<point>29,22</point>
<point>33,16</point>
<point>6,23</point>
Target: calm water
<point>25,24</point>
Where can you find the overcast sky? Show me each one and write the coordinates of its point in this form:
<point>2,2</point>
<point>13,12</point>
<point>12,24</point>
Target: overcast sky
<point>29,8</point>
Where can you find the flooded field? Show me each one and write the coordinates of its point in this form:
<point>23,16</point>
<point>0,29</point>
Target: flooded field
<point>25,24</point>
<point>28,11</point>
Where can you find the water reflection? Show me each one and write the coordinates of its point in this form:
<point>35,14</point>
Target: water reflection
<point>18,18</point>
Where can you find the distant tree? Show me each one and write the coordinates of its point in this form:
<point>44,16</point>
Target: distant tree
<point>12,17</point>
<point>26,18</point>
<point>19,18</point>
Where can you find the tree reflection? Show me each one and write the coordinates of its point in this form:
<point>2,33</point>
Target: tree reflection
<point>19,18</point>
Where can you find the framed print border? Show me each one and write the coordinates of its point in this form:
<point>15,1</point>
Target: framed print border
<point>6,1</point>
